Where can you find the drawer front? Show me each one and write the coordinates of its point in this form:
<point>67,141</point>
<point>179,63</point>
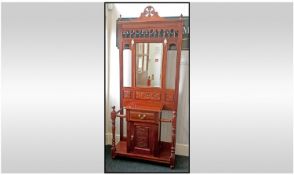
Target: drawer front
<point>143,116</point>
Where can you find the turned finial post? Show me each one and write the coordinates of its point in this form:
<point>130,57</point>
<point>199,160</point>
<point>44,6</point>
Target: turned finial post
<point>113,116</point>
<point>173,143</point>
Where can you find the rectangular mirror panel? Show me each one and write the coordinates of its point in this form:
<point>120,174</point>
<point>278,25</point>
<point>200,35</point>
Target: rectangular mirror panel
<point>148,64</point>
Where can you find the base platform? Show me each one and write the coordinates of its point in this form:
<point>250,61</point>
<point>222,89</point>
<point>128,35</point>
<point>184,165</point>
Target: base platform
<point>164,153</point>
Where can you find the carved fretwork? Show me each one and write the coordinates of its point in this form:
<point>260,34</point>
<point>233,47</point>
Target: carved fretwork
<point>153,31</point>
<point>150,33</point>
<point>169,96</point>
<point>147,95</point>
<point>127,94</point>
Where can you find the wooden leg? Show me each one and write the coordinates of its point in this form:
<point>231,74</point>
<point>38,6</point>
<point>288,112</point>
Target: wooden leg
<point>173,147</point>
<point>113,116</point>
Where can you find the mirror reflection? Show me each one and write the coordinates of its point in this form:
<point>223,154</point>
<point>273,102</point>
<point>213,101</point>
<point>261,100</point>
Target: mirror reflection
<point>148,64</point>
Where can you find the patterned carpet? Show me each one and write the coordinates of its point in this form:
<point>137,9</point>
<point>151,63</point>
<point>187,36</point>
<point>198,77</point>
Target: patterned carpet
<point>125,165</point>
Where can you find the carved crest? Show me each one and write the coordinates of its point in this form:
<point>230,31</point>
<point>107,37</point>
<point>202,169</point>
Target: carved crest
<point>149,13</point>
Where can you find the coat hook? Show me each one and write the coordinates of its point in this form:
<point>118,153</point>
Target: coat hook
<point>132,42</point>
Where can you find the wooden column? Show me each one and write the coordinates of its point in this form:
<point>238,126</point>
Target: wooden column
<point>179,53</point>
<point>121,87</point>
<point>133,48</point>
<point>163,70</point>
<point>113,116</point>
<point>173,143</point>
<point>164,61</point>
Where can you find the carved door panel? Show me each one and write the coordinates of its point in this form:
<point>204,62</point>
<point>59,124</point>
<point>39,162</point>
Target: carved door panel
<point>143,137</point>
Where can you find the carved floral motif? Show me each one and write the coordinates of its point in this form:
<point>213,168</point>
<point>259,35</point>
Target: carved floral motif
<point>147,95</point>
<point>127,94</point>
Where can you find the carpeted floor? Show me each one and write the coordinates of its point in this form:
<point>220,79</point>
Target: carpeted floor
<point>124,165</point>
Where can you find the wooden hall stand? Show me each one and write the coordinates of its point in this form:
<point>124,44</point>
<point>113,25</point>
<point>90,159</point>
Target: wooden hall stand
<point>148,37</point>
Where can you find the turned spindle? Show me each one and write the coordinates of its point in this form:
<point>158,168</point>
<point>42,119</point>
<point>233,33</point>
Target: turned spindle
<point>113,116</point>
<point>173,143</point>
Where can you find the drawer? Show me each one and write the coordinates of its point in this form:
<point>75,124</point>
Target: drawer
<point>143,116</point>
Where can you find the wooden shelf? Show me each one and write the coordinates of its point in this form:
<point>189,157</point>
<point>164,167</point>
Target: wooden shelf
<point>164,156</point>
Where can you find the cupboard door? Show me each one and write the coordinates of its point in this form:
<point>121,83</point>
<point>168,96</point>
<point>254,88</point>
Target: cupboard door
<point>142,134</point>
<point>142,137</point>
<point>142,142</point>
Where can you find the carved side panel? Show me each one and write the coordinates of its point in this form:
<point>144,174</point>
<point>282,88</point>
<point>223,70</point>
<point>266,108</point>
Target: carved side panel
<point>147,95</point>
<point>127,94</point>
<point>170,96</point>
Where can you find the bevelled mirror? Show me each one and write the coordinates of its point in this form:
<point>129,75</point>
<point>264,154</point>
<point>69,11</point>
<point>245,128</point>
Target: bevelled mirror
<point>149,64</point>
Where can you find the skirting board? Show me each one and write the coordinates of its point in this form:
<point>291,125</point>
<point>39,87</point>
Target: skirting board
<point>181,149</point>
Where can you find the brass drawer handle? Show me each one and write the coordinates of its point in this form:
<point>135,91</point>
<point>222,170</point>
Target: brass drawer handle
<point>142,117</point>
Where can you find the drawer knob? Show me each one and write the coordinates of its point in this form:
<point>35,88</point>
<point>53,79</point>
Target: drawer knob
<point>142,116</point>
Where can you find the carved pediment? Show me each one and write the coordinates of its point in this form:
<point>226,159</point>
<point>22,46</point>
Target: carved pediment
<point>149,14</point>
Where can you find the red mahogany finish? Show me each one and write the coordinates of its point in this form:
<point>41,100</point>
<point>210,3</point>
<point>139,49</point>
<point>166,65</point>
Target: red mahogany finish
<point>143,105</point>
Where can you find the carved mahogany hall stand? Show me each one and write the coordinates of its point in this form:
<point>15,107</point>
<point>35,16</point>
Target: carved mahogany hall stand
<point>142,103</point>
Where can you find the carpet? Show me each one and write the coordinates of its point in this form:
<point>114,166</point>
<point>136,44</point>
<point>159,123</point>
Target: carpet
<point>128,165</point>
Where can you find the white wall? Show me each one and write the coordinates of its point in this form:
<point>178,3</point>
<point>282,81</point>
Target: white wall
<point>112,66</point>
